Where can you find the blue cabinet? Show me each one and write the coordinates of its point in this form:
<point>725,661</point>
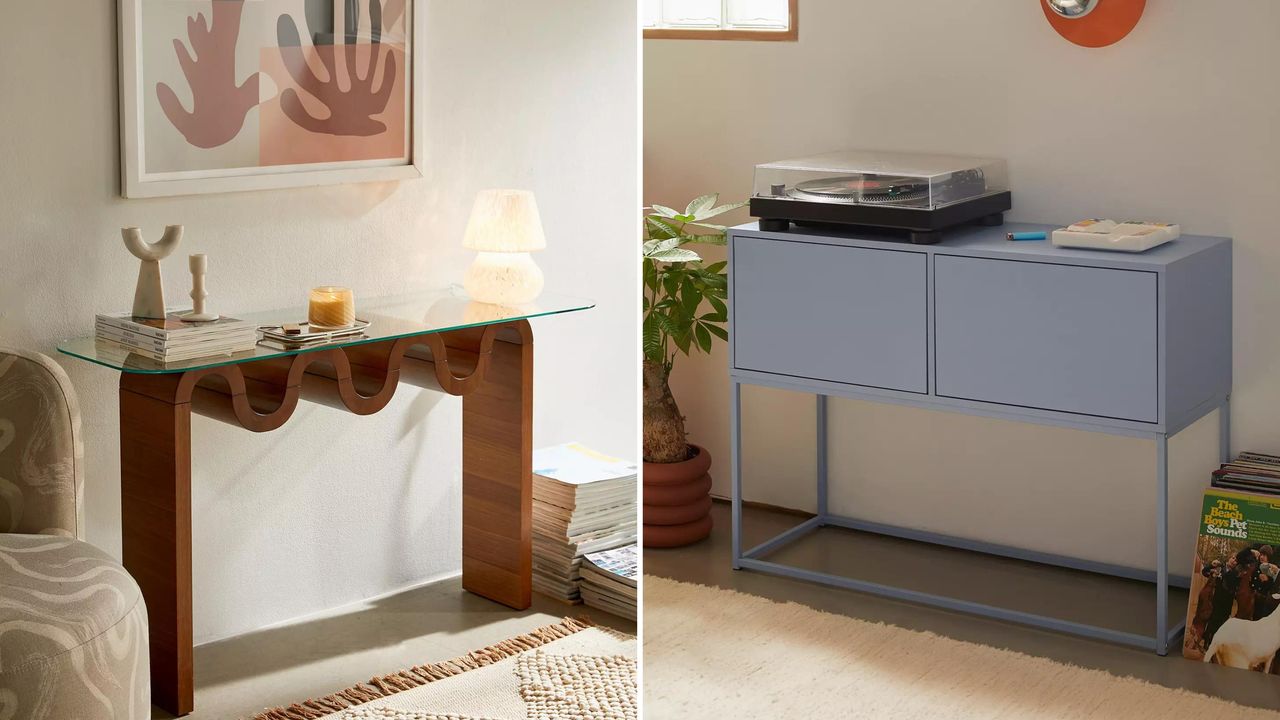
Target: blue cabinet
<point>1131,344</point>
<point>874,301</point>
<point>1086,338</point>
<point>1041,335</point>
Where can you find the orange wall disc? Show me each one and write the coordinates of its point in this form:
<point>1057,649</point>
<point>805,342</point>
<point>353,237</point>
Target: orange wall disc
<point>1109,21</point>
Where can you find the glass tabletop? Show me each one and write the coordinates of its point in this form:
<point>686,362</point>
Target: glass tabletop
<point>389,318</point>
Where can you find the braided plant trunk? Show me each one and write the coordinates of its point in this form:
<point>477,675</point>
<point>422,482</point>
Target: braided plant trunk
<point>664,435</point>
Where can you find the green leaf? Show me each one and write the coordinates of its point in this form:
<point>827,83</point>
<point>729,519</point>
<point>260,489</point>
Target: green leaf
<point>682,342</point>
<point>674,255</point>
<point>716,267</point>
<point>662,322</point>
<point>660,228</point>
<point>704,337</point>
<point>709,277</point>
<point>718,331</point>
<point>671,283</point>
<point>709,239</point>
<point>714,211</point>
<point>651,339</point>
<point>681,324</point>
<point>719,306</point>
<point>701,204</point>
<point>650,274</point>
<point>653,246</point>
<point>690,298</point>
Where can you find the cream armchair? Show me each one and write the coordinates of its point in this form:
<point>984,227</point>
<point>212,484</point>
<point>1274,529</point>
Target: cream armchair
<point>73,626</point>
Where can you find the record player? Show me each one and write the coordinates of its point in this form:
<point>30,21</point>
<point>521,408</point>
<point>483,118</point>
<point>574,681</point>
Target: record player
<point>910,195</point>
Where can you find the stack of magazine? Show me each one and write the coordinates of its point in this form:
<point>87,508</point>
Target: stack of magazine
<point>609,580</point>
<point>173,339</point>
<point>1250,472</point>
<point>583,502</point>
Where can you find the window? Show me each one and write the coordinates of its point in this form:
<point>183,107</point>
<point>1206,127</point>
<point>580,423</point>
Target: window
<point>720,19</point>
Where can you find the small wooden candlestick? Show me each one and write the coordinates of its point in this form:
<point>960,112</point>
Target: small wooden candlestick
<point>331,308</point>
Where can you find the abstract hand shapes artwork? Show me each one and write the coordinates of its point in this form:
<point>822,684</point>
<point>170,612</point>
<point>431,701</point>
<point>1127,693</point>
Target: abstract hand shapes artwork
<point>233,94</point>
<point>219,105</point>
<point>350,111</point>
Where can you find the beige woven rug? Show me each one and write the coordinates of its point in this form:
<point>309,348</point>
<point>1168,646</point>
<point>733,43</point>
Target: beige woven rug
<point>712,653</point>
<point>559,672</point>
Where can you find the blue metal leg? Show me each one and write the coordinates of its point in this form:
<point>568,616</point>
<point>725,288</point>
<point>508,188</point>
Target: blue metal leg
<point>735,468</point>
<point>754,559</point>
<point>822,458</point>
<point>1224,430</point>
<point>1162,544</point>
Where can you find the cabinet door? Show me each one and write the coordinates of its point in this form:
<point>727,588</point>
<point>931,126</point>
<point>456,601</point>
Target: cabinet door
<point>829,312</point>
<point>1055,337</point>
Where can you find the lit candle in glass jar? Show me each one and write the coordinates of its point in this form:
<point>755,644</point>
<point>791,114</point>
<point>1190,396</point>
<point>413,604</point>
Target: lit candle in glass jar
<point>332,308</point>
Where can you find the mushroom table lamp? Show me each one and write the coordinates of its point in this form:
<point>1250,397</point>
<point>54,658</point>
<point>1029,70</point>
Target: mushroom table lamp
<point>504,228</point>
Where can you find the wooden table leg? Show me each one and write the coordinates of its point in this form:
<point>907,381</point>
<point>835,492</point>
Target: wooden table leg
<point>155,491</point>
<point>497,475</point>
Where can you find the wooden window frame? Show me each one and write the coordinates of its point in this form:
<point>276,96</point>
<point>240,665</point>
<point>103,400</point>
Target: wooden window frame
<point>791,34</point>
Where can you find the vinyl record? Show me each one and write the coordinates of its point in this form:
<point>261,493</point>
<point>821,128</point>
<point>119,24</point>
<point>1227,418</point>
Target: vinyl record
<point>877,190</point>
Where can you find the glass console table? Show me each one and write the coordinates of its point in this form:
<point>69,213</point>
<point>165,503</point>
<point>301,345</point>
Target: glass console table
<point>439,340</point>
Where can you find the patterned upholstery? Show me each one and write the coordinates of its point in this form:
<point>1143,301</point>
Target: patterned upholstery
<point>73,633</point>
<point>73,626</point>
<point>41,459</point>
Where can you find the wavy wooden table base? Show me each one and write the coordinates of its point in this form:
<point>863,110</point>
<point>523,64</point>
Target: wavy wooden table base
<point>490,367</point>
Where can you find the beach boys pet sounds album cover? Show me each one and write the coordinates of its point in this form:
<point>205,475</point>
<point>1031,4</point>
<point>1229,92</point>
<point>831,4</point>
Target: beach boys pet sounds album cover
<point>1231,618</point>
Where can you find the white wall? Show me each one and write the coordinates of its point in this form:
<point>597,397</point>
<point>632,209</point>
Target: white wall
<point>333,508</point>
<point>1175,122</point>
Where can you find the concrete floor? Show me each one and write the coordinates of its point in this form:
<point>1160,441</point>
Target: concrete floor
<point>1068,594</point>
<point>277,666</point>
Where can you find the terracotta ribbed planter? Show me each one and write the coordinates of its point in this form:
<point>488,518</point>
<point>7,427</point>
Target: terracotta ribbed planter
<point>677,494</point>
<point>678,472</point>
<point>677,503</point>
<point>677,514</point>
<point>670,536</point>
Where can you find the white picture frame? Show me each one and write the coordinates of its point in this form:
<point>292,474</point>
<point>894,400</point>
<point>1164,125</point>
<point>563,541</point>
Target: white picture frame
<point>136,182</point>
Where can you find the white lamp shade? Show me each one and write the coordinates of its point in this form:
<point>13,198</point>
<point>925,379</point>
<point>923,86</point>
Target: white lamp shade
<point>505,221</point>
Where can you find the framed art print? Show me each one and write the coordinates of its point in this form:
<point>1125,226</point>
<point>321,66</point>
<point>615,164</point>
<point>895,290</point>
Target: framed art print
<point>222,95</point>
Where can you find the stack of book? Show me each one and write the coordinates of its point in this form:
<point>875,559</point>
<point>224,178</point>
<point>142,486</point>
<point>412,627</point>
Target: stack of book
<point>583,502</point>
<point>609,580</point>
<point>172,339</point>
<point>1250,472</point>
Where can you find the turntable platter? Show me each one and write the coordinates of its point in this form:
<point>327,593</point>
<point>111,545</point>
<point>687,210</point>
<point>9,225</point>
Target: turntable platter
<point>863,189</point>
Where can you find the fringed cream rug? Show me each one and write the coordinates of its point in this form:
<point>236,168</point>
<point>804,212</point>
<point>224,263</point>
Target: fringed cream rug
<point>567,671</point>
<point>712,653</point>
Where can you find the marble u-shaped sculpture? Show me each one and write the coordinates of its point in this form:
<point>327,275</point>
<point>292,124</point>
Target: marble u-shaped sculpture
<point>148,297</point>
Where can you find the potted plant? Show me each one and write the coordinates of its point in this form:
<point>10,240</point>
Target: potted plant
<point>684,311</point>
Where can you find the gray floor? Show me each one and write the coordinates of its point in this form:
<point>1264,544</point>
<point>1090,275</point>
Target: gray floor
<point>1068,594</point>
<point>278,666</point>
